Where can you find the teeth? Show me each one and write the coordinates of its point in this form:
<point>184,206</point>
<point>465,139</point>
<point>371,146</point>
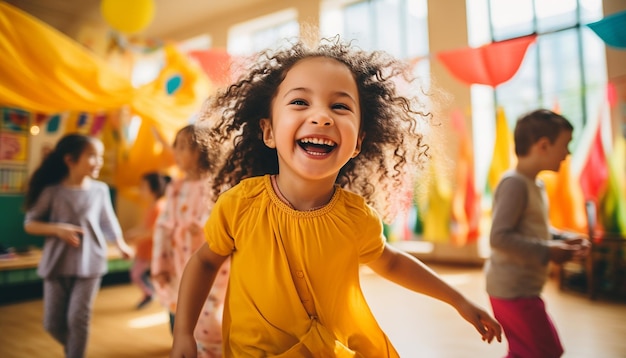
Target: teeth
<point>318,141</point>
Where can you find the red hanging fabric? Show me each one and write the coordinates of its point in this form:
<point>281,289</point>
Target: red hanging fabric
<point>595,172</point>
<point>490,64</point>
<point>216,64</point>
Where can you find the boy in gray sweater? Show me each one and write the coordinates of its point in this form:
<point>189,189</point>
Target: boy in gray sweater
<point>522,241</point>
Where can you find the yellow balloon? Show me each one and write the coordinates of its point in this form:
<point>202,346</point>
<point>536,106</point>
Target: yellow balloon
<point>127,16</point>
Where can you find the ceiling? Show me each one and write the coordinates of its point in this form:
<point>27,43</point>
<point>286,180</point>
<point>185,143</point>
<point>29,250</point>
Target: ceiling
<point>172,17</point>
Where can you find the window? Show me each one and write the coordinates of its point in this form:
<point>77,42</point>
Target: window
<point>565,67</point>
<point>265,32</point>
<point>399,27</point>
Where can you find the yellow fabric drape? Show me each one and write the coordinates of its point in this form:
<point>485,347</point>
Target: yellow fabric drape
<point>438,212</point>
<point>42,70</point>
<point>502,159</point>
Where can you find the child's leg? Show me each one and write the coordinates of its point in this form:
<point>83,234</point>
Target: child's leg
<point>146,278</point>
<point>56,293</point>
<point>527,327</point>
<point>137,273</point>
<point>172,319</point>
<point>79,314</point>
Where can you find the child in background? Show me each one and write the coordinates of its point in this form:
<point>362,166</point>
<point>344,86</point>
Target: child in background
<point>306,124</point>
<point>178,233</point>
<point>520,238</point>
<point>151,191</point>
<point>73,211</point>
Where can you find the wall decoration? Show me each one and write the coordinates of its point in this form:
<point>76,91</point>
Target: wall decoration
<point>13,147</point>
<point>53,123</point>
<point>12,180</point>
<point>15,120</point>
<point>99,119</point>
<point>14,132</point>
<point>82,120</point>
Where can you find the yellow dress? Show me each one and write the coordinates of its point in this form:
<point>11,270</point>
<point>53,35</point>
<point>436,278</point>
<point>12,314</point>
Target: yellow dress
<point>263,314</point>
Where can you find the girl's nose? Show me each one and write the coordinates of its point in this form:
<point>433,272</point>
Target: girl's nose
<point>321,119</point>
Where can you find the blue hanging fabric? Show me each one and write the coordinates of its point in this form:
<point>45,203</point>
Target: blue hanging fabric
<point>612,29</point>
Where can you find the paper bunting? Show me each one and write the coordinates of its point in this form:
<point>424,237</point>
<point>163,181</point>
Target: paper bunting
<point>215,63</point>
<point>612,30</point>
<point>53,123</point>
<point>491,64</point>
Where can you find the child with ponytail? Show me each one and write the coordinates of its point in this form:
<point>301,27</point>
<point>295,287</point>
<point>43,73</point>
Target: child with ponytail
<point>73,211</point>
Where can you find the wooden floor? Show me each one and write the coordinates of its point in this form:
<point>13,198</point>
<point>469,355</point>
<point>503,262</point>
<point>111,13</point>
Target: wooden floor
<point>417,325</point>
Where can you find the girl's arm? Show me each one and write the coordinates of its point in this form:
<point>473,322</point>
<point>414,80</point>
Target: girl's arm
<point>197,280</point>
<point>126,251</point>
<point>139,231</point>
<point>411,273</point>
<point>109,223</point>
<point>69,233</point>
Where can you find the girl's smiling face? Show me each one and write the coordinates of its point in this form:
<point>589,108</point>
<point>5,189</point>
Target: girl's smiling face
<point>90,161</point>
<point>315,124</point>
<point>185,155</point>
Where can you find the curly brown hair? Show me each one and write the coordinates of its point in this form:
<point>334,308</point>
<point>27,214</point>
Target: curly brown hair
<point>391,151</point>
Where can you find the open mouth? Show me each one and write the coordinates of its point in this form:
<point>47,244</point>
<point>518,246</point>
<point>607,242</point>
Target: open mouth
<point>317,146</point>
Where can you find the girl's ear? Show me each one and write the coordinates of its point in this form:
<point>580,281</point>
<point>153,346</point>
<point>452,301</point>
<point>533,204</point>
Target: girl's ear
<point>268,134</point>
<point>359,141</point>
<point>67,159</point>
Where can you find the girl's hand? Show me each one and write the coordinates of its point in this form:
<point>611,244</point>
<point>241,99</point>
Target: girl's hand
<point>69,233</point>
<point>184,347</point>
<point>488,327</point>
<point>127,251</point>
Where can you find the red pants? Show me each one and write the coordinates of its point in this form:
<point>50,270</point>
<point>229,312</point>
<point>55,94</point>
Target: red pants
<point>527,327</point>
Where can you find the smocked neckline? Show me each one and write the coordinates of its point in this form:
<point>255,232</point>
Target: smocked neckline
<point>275,197</point>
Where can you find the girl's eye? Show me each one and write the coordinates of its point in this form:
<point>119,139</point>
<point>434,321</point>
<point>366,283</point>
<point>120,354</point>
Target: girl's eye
<point>298,102</point>
<point>341,106</point>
